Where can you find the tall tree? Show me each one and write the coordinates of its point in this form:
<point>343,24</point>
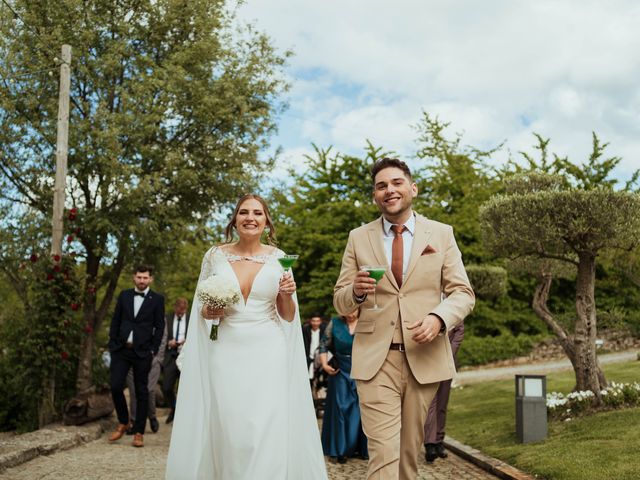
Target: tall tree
<point>171,102</point>
<point>566,219</point>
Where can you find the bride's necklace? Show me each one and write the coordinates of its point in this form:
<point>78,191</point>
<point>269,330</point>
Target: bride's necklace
<point>235,257</point>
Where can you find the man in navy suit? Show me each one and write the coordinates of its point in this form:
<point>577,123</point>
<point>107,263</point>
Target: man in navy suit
<point>136,331</point>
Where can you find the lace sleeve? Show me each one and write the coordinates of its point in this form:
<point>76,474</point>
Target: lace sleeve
<point>207,269</point>
<point>326,340</point>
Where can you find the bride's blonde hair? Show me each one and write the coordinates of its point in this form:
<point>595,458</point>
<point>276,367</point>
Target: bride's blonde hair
<point>270,228</point>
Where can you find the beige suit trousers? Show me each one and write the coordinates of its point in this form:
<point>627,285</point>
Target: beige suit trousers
<point>393,407</point>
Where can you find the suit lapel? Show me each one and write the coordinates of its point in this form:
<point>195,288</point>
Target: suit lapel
<point>375,233</point>
<point>145,303</point>
<point>128,303</point>
<point>420,242</point>
<point>170,326</point>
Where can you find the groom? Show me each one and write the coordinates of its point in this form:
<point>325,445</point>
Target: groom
<point>135,334</point>
<point>400,352</point>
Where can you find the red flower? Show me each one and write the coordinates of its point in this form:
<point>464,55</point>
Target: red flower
<point>70,238</point>
<point>64,355</point>
<point>33,257</point>
<point>49,276</point>
<point>91,290</point>
<point>88,329</point>
<point>73,211</point>
<point>72,217</point>
<point>78,230</point>
<point>56,258</point>
<point>75,306</point>
<point>56,268</point>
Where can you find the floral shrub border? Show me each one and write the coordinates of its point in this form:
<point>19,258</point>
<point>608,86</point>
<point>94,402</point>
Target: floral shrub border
<point>616,395</point>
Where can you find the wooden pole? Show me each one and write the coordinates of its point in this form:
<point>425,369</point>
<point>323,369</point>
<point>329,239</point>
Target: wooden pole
<point>62,147</point>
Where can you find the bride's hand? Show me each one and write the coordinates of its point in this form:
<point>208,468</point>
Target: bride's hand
<point>287,284</point>
<point>210,313</point>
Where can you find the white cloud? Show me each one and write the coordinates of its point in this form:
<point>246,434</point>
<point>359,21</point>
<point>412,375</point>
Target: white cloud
<point>496,70</point>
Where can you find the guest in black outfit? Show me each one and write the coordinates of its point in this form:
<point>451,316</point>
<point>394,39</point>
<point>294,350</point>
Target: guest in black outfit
<point>177,326</point>
<point>136,331</point>
<point>312,332</point>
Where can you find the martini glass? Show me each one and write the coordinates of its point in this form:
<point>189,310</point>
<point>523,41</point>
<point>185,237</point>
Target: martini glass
<point>287,261</point>
<point>376,272</point>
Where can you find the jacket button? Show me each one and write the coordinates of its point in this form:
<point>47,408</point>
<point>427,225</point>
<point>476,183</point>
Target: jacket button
<point>392,323</point>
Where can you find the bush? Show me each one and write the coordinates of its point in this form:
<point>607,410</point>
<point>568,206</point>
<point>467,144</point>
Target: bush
<point>482,350</point>
<point>488,282</point>
<point>39,350</point>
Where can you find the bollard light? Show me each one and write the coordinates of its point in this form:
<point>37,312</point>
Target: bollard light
<point>531,408</point>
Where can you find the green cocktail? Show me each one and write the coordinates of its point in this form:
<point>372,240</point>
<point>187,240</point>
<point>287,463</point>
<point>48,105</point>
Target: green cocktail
<point>287,261</point>
<point>376,272</point>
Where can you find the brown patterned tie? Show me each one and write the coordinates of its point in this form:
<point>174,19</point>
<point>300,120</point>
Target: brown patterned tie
<point>397,253</point>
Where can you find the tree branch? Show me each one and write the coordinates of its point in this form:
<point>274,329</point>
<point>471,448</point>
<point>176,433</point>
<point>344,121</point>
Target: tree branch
<point>21,186</point>
<point>540,298</point>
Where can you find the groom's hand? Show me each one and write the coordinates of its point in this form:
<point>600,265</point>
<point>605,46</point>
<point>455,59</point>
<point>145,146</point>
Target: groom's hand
<point>363,284</point>
<point>426,330</point>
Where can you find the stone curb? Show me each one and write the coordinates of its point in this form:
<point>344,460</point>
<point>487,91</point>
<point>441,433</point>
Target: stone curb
<point>19,449</point>
<point>489,464</point>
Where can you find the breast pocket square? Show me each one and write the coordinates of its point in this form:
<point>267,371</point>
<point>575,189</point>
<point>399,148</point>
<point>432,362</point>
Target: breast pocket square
<point>428,250</point>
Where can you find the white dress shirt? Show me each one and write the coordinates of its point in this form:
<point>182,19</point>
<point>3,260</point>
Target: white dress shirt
<point>179,335</point>
<point>315,343</point>
<point>407,239</point>
<point>137,303</point>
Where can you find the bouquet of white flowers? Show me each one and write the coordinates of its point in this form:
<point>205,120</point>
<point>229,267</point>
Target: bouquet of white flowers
<point>216,292</point>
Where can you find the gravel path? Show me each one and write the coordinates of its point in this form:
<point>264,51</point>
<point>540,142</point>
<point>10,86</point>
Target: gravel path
<point>99,460</point>
<point>485,374</point>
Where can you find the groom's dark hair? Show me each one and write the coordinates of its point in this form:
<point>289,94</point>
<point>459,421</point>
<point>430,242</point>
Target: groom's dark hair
<point>143,268</point>
<point>387,162</point>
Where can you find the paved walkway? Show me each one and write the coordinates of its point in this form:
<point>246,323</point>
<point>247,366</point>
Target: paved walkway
<point>483,374</point>
<point>99,460</point>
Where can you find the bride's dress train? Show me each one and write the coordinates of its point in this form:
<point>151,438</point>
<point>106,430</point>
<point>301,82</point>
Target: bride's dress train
<point>244,406</point>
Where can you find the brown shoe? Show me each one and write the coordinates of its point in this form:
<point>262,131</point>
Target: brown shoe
<point>138,440</point>
<point>120,431</point>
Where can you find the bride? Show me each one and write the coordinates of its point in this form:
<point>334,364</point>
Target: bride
<point>244,409</point>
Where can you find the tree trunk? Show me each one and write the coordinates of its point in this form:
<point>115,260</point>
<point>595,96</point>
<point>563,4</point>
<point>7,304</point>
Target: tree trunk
<point>83,379</point>
<point>46,408</point>
<point>589,375</point>
<point>579,348</point>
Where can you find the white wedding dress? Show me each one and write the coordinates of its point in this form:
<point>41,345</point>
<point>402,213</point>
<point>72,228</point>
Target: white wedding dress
<point>244,409</point>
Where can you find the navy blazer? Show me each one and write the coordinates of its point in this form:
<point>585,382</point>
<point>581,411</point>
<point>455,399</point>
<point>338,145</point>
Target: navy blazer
<point>147,326</point>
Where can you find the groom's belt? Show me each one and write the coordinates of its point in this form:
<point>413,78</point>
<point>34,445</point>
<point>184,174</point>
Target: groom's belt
<point>397,346</point>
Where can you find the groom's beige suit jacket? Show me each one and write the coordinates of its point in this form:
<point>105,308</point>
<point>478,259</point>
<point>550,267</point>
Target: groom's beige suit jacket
<point>435,282</point>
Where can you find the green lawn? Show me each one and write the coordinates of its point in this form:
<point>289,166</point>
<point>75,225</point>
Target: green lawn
<point>603,446</point>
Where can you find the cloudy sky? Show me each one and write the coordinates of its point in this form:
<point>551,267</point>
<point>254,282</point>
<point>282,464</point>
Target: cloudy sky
<point>498,70</point>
